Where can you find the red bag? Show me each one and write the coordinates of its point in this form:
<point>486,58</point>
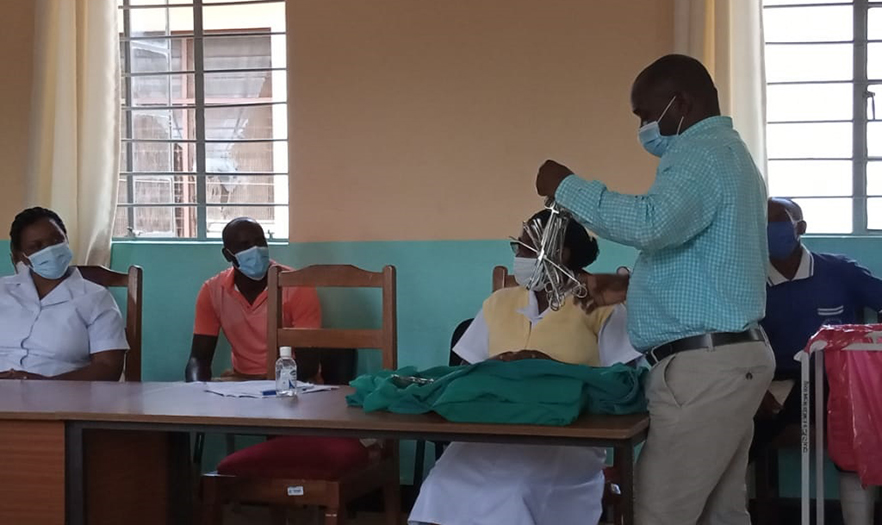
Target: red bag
<point>853,361</point>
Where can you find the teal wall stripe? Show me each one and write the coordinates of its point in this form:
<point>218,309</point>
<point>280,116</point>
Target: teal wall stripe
<point>440,283</point>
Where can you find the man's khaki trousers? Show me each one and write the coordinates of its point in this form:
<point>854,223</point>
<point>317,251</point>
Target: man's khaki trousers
<point>692,469</point>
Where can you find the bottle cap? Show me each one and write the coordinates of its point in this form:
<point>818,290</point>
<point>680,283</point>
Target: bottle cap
<point>285,351</point>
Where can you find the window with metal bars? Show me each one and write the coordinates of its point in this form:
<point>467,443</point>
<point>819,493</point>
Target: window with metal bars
<point>204,117</point>
<point>824,135</point>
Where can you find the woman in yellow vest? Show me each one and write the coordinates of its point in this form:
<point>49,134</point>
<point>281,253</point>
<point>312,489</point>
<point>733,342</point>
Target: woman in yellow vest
<point>489,484</point>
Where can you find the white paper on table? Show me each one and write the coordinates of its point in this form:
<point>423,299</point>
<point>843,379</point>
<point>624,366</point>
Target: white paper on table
<point>256,389</point>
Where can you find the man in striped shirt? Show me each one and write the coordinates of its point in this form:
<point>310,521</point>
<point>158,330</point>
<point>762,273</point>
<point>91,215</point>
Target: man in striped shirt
<point>696,294</point>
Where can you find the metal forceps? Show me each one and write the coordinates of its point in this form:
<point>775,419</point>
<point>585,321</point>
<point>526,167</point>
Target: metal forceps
<point>548,243</point>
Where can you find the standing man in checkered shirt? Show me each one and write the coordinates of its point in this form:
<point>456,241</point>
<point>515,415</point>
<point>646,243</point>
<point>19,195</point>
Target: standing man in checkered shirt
<point>696,295</point>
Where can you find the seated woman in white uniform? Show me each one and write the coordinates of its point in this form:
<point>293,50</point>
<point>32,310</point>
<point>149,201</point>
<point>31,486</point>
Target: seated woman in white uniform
<point>53,323</point>
<point>491,484</point>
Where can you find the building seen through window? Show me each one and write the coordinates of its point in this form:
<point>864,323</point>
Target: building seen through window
<point>204,121</point>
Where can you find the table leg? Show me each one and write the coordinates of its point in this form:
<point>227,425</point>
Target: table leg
<point>624,457</point>
<point>198,448</point>
<point>419,464</point>
<point>160,462</point>
<point>180,479</point>
<point>74,477</point>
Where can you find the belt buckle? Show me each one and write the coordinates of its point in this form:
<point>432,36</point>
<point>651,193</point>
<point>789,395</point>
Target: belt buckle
<point>653,359</point>
<point>708,340</point>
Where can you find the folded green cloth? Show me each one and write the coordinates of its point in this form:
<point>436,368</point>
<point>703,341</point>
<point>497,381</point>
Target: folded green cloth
<point>530,391</point>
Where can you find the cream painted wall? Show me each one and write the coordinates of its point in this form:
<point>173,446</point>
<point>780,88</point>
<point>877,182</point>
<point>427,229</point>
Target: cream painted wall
<point>428,119</point>
<point>16,47</point>
<point>414,119</point>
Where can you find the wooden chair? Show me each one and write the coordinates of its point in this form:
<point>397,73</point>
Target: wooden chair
<point>104,451</point>
<point>133,281</point>
<point>334,492</point>
<point>501,279</point>
<point>766,474</point>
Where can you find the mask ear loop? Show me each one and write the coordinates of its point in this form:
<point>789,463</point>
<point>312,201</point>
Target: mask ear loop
<point>680,124</point>
<point>233,259</point>
<point>665,112</point>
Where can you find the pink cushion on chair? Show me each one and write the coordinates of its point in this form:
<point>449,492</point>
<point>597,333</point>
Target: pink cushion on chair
<point>297,457</point>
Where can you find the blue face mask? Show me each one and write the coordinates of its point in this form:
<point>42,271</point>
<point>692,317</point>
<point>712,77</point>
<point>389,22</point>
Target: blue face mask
<point>782,239</point>
<point>51,262</point>
<point>652,139</point>
<point>253,262</point>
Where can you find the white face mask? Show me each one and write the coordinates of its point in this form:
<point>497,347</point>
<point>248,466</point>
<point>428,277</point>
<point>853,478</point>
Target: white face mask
<point>523,270</point>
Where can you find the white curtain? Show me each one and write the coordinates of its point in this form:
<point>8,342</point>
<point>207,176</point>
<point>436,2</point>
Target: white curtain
<point>727,36</point>
<point>73,156</point>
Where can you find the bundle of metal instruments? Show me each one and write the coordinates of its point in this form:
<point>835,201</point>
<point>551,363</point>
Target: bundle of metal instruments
<point>548,243</point>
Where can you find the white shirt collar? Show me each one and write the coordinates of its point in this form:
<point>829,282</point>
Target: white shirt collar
<point>72,286</point>
<point>531,311</point>
<point>806,269</point>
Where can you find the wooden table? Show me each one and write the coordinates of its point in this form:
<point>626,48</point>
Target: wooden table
<point>48,423</point>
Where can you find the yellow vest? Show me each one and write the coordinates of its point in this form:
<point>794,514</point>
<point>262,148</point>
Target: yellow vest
<point>568,335</point>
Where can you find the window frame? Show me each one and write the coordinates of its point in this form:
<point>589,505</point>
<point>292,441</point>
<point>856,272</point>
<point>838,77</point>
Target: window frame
<point>197,104</point>
<point>861,94</point>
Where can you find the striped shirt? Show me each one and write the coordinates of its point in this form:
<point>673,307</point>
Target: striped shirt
<point>701,232</point>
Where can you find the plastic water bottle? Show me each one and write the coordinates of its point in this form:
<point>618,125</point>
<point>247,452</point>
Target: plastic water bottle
<point>286,373</point>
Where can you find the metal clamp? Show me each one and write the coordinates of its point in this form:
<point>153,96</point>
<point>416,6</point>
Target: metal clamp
<point>548,243</point>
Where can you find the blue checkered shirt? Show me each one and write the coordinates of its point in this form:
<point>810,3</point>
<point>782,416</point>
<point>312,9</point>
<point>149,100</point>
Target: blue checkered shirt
<point>701,232</point>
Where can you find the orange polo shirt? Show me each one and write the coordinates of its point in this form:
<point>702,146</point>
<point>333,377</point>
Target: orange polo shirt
<point>220,306</point>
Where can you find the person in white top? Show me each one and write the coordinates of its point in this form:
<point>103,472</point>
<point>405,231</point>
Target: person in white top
<point>490,484</point>
<point>53,323</point>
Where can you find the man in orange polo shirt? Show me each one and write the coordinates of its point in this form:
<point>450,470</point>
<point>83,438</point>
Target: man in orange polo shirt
<point>235,301</point>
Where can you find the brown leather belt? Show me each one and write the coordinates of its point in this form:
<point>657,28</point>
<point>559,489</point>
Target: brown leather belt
<point>697,342</point>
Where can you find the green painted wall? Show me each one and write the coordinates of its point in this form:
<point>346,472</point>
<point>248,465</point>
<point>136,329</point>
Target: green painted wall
<point>439,284</point>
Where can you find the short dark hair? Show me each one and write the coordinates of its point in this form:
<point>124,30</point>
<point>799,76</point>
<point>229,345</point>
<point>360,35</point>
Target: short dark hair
<point>235,223</point>
<point>583,247</point>
<point>794,209</point>
<point>681,73</point>
<point>27,218</point>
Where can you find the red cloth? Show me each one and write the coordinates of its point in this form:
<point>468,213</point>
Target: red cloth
<point>853,361</point>
<point>297,457</point>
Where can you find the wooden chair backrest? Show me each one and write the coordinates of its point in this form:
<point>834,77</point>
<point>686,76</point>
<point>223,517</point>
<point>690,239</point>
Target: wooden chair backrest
<point>501,278</point>
<point>133,281</point>
<point>384,339</point>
